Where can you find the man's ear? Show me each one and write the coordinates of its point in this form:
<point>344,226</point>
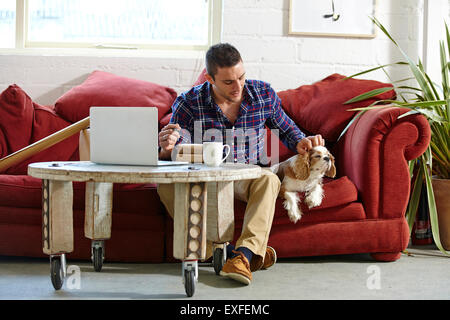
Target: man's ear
<point>209,78</point>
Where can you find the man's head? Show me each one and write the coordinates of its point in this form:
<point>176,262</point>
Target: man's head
<point>225,71</point>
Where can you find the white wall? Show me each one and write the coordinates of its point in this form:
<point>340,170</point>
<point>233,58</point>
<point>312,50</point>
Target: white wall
<point>258,28</point>
<point>433,34</point>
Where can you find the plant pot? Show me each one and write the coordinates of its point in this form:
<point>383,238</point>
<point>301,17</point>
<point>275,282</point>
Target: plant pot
<point>441,189</point>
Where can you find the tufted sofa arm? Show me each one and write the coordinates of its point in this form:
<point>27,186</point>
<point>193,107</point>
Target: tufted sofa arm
<point>374,154</point>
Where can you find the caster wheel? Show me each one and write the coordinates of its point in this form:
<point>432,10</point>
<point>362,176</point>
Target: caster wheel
<point>218,260</point>
<point>189,282</point>
<point>97,257</point>
<point>56,273</point>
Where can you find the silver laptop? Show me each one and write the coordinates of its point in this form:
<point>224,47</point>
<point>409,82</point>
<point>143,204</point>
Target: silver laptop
<point>126,136</point>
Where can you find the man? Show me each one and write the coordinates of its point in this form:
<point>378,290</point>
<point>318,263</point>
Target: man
<point>228,103</point>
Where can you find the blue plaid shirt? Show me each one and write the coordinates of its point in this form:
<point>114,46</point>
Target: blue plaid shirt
<point>201,119</point>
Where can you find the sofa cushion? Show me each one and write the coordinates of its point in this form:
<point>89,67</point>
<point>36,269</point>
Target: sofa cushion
<point>20,191</point>
<point>271,141</point>
<point>165,120</point>
<point>3,145</point>
<point>106,89</point>
<point>319,108</point>
<point>24,191</point>
<point>339,204</point>
<point>16,117</point>
<point>201,78</point>
<point>24,122</point>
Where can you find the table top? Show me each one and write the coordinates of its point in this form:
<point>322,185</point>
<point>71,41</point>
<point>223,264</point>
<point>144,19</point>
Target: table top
<point>193,172</point>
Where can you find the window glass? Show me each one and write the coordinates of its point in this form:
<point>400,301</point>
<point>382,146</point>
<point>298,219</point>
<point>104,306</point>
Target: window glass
<point>7,23</point>
<point>171,22</point>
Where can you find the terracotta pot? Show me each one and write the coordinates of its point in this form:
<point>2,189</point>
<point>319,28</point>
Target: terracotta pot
<point>441,189</point>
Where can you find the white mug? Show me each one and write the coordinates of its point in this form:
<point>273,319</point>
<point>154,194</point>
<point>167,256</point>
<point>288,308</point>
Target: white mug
<point>212,153</point>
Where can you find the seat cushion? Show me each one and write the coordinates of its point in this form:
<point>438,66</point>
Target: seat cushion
<point>339,204</point>
<point>106,89</point>
<point>21,191</point>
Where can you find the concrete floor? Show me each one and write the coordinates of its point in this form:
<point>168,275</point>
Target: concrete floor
<point>424,274</point>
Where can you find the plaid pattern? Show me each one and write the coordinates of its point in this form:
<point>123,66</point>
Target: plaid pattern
<point>202,120</point>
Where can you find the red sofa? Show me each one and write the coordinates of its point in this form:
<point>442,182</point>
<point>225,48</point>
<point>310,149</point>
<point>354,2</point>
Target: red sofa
<point>362,212</point>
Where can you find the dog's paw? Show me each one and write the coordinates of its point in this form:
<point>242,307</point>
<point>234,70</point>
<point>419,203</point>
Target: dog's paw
<point>314,197</point>
<point>293,212</point>
<point>313,200</point>
<point>294,216</point>
<point>312,203</point>
<point>291,205</point>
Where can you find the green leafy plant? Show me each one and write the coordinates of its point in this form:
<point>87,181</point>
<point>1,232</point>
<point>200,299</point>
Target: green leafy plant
<point>431,100</point>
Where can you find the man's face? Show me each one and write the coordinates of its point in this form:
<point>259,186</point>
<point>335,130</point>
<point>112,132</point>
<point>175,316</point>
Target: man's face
<point>228,83</point>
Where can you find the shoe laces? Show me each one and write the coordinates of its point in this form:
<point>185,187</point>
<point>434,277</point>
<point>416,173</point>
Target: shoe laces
<point>243,258</point>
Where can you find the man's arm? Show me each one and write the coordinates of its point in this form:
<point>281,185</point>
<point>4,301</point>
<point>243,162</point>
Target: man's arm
<point>170,135</point>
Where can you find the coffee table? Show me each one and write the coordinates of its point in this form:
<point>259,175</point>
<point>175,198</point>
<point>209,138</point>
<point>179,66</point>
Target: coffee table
<point>203,208</point>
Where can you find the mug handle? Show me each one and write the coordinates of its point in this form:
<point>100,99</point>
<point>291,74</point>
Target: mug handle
<point>227,152</point>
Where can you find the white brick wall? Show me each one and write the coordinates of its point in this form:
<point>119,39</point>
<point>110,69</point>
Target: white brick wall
<point>258,28</point>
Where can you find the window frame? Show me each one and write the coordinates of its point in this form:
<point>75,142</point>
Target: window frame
<point>215,8</point>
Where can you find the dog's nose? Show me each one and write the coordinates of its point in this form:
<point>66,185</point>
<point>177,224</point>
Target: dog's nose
<point>326,159</point>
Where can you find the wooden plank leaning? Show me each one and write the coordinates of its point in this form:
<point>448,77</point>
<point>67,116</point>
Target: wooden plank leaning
<point>44,143</point>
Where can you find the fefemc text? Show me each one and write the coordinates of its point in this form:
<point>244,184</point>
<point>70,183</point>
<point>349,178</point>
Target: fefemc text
<point>246,309</point>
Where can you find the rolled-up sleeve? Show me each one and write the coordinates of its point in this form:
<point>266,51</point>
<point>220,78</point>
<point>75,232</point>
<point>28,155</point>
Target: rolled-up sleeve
<point>182,115</point>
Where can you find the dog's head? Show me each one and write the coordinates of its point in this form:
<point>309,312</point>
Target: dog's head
<point>318,160</point>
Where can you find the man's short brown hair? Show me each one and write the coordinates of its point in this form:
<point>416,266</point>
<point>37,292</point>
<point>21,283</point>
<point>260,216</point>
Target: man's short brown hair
<point>221,55</point>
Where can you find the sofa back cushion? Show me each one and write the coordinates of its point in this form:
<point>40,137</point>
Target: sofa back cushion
<point>319,108</point>
<point>106,89</point>
<point>201,78</point>
<point>16,117</point>
<point>23,122</point>
<point>3,145</point>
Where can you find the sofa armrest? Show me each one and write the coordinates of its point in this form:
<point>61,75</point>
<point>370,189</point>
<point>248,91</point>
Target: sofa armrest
<point>374,154</point>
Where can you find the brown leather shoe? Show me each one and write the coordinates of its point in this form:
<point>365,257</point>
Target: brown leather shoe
<point>237,269</point>
<point>270,258</point>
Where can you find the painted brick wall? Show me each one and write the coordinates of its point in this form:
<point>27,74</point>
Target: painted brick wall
<point>258,28</point>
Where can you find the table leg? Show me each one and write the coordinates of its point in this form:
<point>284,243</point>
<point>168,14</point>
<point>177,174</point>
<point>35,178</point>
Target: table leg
<point>98,218</point>
<point>220,224</point>
<point>57,226</point>
<point>57,217</point>
<point>189,240</point>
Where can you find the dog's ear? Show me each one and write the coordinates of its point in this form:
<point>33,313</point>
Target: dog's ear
<point>301,166</point>
<point>331,173</point>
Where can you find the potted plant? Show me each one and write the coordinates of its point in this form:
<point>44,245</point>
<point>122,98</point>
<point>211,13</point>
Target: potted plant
<point>432,168</point>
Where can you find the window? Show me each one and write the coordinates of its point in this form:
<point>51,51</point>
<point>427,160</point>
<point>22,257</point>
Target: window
<point>7,23</point>
<point>161,24</point>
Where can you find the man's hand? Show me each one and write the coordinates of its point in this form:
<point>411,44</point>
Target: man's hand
<point>308,143</point>
<point>168,137</point>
